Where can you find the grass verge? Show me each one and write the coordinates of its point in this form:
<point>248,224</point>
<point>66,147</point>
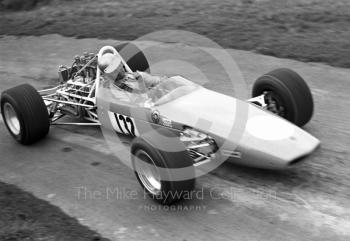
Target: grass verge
<point>25,217</point>
<point>306,30</point>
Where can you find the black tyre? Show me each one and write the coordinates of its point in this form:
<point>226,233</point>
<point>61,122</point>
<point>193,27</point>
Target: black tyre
<point>133,56</point>
<point>25,114</point>
<point>288,92</point>
<point>148,156</point>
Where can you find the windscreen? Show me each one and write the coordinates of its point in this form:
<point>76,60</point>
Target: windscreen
<point>171,89</point>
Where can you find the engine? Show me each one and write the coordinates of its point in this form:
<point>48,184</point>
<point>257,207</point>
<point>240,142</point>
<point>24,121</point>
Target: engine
<point>82,70</point>
<point>76,89</point>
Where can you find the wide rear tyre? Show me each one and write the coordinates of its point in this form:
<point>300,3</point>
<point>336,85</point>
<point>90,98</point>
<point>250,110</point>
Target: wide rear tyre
<point>25,114</point>
<point>290,94</point>
<point>149,155</point>
<point>133,56</point>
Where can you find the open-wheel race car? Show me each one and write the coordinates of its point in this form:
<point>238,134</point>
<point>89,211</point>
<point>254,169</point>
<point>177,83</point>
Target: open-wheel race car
<point>270,138</point>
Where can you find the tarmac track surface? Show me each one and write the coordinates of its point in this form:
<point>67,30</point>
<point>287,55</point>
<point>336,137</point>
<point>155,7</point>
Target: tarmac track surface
<point>74,169</point>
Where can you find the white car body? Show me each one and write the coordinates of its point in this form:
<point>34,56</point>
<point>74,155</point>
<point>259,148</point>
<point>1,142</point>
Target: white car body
<point>245,133</point>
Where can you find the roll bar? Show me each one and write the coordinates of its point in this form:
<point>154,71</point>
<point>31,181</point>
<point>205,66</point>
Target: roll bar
<point>102,51</point>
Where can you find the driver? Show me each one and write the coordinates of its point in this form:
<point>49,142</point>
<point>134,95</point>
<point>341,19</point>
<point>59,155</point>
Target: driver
<point>112,68</point>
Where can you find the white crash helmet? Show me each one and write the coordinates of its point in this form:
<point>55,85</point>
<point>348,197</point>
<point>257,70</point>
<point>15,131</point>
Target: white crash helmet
<point>109,63</point>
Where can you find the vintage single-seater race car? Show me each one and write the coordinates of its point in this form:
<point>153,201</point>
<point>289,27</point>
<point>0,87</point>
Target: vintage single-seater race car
<point>200,126</point>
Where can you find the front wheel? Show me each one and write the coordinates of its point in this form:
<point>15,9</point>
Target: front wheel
<point>25,114</point>
<point>153,165</point>
<point>286,94</point>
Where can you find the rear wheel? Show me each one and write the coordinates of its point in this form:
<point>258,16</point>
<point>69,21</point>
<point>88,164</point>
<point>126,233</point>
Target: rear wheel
<point>25,114</point>
<point>133,56</point>
<point>153,167</point>
<point>286,94</point>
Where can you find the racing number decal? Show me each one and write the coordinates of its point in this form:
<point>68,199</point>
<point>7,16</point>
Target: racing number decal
<point>132,126</point>
<point>125,125</point>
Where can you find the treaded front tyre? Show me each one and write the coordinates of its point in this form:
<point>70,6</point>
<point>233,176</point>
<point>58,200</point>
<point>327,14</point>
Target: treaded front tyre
<point>149,156</point>
<point>25,114</point>
<point>290,93</point>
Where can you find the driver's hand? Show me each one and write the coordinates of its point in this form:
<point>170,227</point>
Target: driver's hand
<point>136,75</point>
<point>148,103</point>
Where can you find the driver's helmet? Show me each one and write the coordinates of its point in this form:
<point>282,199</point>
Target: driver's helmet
<point>110,64</point>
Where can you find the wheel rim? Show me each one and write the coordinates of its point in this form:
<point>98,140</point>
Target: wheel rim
<point>11,119</point>
<point>148,172</point>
